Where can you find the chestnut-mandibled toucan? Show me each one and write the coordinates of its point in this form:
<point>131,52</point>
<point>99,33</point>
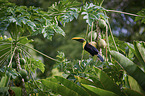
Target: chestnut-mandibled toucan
<point>88,47</point>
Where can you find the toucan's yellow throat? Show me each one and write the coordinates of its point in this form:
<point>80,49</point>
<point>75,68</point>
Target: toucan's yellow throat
<point>80,39</point>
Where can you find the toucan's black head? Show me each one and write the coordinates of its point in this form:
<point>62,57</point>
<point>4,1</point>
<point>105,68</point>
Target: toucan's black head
<point>80,39</point>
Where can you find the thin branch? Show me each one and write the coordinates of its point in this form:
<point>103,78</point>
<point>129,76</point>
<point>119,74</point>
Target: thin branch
<point>107,42</point>
<point>91,31</point>
<point>27,53</point>
<point>112,37</point>
<point>124,13</point>
<point>111,33</point>
<point>101,3</point>
<point>41,53</point>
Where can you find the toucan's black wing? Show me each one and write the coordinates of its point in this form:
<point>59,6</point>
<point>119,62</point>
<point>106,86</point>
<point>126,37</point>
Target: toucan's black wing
<point>93,51</point>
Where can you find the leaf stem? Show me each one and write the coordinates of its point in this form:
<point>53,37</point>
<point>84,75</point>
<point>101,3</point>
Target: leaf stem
<point>124,13</point>
<point>111,33</point>
<point>101,2</point>
<point>107,42</point>
<point>41,53</point>
<point>112,37</point>
<point>91,31</point>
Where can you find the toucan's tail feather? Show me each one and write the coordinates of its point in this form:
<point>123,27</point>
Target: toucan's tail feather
<point>100,57</point>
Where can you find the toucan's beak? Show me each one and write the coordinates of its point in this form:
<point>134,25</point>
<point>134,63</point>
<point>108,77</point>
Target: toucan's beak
<point>80,39</point>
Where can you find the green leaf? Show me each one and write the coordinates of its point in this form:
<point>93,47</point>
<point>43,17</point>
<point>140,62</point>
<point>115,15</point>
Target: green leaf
<point>12,19</point>
<point>92,13</point>
<point>3,81</point>
<point>50,28</point>
<point>130,92</point>
<point>4,90</point>
<point>69,84</point>
<point>11,73</point>
<point>141,13</point>
<point>60,89</point>
<point>24,40</point>
<point>4,46</point>
<point>121,45</point>
<point>20,19</point>
<point>98,2</point>
<point>131,68</point>
<point>107,83</point>
<point>31,25</point>
<point>57,29</point>
<point>140,52</point>
<point>125,78</point>
<point>5,50</point>
<point>85,81</point>
<point>99,91</point>
<point>97,82</point>
<point>134,85</point>
<point>69,15</point>
<point>131,48</point>
<point>130,54</point>
<point>33,64</point>
<point>17,90</point>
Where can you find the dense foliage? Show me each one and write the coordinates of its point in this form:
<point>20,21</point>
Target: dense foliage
<point>122,73</point>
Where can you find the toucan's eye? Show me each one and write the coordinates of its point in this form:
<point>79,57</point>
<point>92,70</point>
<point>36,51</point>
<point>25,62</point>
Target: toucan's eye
<point>81,40</point>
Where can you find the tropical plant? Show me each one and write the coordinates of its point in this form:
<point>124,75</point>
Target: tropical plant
<point>121,74</point>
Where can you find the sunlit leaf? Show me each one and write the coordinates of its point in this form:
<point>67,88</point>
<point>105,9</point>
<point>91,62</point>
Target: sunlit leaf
<point>107,83</point>
<point>24,40</point>
<point>34,20</point>
<point>131,68</point>
<point>130,92</point>
<point>72,86</point>
<point>85,81</point>
<point>34,64</point>
<point>142,14</point>
<point>134,85</point>
<point>97,82</point>
<point>17,90</point>
<point>99,91</point>
<point>92,13</point>
<point>3,81</point>
<point>57,29</point>
<point>140,52</point>
<point>62,90</point>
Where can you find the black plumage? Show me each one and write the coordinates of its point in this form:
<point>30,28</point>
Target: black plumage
<point>88,47</point>
<point>92,50</point>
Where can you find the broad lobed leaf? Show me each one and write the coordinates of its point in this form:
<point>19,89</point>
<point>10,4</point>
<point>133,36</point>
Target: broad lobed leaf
<point>98,91</point>
<point>34,64</point>
<point>29,19</point>
<point>71,85</point>
<point>62,90</point>
<point>107,83</point>
<point>92,13</point>
<point>131,68</point>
